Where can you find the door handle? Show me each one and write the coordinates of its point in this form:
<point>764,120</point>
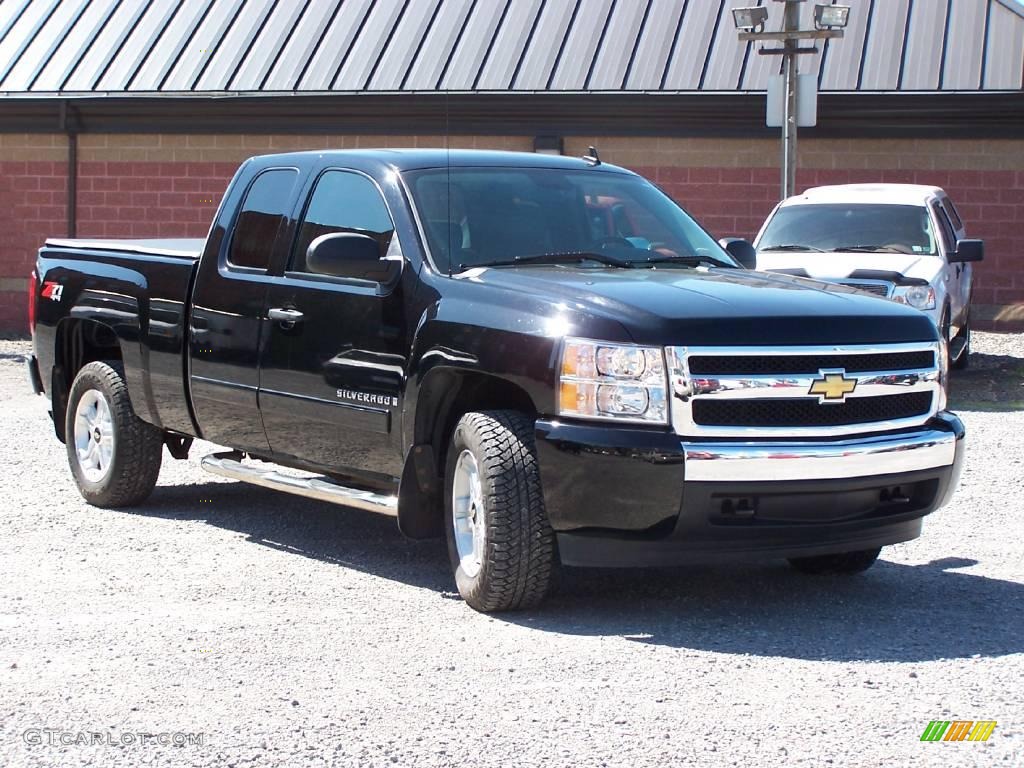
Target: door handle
<point>286,317</point>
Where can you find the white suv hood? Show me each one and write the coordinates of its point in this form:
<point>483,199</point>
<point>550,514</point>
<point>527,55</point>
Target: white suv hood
<point>839,266</point>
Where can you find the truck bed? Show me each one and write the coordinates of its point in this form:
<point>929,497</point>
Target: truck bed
<point>189,248</point>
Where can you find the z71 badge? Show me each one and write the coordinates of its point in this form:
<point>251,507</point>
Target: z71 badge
<point>52,291</point>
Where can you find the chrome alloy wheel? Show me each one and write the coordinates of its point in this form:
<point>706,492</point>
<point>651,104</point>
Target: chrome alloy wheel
<point>468,514</point>
<point>94,435</point>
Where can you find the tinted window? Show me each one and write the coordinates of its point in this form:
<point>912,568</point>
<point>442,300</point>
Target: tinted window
<point>343,202</point>
<point>479,215</point>
<point>263,213</point>
<point>946,228</point>
<point>954,215</point>
<point>859,227</point>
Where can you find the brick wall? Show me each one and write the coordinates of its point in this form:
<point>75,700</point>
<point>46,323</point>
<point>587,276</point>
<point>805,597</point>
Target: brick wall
<point>169,186</point>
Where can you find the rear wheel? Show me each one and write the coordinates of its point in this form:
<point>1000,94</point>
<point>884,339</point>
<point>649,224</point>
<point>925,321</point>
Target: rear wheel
<point>844,562</point>
<point>114,455</point>
<point>500,543</point>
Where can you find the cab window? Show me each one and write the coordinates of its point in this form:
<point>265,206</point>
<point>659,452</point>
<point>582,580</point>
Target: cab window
<point>343,201</point>
<point>262,218</point>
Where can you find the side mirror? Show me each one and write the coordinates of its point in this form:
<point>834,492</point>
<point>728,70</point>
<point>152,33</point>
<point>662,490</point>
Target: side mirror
<point>740,250</point>
<point>968,250</point>
<point>351,255</point>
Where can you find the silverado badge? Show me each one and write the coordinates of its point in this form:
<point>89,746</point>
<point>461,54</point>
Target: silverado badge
<point>832,386</point>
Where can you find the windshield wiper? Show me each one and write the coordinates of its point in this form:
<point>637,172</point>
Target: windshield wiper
<point>565,257</point>
<point>792,247</point>
<point>686,261</point>
<point>867,249</point>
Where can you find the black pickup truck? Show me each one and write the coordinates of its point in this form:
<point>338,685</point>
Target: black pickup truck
<point>543,358</point>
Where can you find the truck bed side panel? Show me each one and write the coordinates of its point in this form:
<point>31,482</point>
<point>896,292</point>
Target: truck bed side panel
<point>142,299</point>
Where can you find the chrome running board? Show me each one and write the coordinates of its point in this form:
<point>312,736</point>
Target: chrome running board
<point>320,488</point>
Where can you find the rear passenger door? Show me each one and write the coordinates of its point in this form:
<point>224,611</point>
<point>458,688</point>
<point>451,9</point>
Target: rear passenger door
<point>332,374</point>
<point>227,308</point>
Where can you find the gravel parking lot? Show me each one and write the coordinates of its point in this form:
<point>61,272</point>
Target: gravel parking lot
<point>285,631</point>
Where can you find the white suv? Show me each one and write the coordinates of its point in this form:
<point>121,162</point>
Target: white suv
<point>901,241</point>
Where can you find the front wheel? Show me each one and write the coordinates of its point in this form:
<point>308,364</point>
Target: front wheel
<point>501,545</point>
<point>114,455</point>
<point>844,562</point>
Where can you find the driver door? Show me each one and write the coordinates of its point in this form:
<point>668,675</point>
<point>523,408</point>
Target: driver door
<point>333,364</point>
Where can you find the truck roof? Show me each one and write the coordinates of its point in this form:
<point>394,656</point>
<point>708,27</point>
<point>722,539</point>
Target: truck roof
<point>413,159</point>
<point>885,194</point>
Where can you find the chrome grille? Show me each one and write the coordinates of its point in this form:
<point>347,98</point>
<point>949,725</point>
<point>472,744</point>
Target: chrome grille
<point>763,391</point>
<point>879,289</point>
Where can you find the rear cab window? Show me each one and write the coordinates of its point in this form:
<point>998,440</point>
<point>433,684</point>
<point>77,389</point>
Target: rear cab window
<point>262,219</point>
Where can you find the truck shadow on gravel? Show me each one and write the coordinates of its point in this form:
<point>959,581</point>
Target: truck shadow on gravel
<point>893,612</point>
<point>992,383</point>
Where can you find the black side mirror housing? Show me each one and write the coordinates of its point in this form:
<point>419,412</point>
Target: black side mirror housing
<point>968,250</point>
<point>740,250</point>
<point>350,255</point>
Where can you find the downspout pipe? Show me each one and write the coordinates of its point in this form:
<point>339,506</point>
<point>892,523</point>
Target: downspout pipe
<point>69,125</point>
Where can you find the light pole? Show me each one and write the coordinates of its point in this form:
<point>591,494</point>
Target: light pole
<point>829,21</point>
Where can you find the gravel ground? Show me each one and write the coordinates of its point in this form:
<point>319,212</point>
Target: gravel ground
<point>294,633</point>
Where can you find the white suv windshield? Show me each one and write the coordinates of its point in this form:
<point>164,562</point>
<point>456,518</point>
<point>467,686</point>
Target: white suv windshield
<point>498,216</point>
<point>874,228</point>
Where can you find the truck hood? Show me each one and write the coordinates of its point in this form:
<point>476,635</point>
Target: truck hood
<point>839,266</point>
<point>682,306</point>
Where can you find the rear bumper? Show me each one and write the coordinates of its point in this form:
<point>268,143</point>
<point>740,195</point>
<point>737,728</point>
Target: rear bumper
<point>632,497</point>
<point>34,380</point>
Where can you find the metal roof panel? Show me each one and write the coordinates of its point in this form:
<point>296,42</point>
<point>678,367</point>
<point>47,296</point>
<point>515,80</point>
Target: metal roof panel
<point>427,68</point>
<point>883,51</point>
<point>305,35</point>
<point>655,45</point>
<point>1004,63</point>
<point>537,66</point>
<point>618,45</point>
<point>137,46</point>
<point>334,46</point>
<point>397,57</point>
<point>922,53</point>
<point>577,59</point>
<point>368,46</point>
<point>509,44</point>
<point>252,46</point>
<point>48,37</point>
<point>267,45</point>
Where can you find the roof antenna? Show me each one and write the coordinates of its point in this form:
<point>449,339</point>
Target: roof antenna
<point>593,158</point>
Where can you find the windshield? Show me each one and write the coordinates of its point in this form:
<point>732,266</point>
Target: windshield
<point>495,216</point>
<point>868,227</point>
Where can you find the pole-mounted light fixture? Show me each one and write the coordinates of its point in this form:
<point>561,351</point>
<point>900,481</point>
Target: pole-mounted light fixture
<point>750,19</point>
<point>831,16</point>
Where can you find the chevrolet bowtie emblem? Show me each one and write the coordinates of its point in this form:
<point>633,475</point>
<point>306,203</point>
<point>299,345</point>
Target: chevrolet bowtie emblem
<point>832,386</point>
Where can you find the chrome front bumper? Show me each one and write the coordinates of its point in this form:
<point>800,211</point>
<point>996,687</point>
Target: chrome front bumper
<point>926,448</point>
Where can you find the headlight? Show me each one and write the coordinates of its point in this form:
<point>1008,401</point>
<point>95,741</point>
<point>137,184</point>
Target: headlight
<point>917,296</point>
<point>621,382</point>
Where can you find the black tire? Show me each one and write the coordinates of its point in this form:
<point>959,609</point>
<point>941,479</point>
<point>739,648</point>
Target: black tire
<point>518,566</point>
<point>842,563</point>
<point>135,454</point>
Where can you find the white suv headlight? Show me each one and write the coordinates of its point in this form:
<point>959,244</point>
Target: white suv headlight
<point>917,296</point>
<point>620,382</point>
